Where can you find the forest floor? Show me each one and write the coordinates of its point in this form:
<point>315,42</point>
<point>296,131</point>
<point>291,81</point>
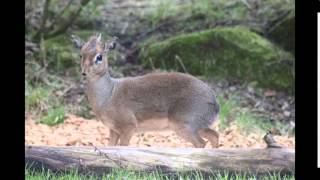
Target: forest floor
<point>77,131</point>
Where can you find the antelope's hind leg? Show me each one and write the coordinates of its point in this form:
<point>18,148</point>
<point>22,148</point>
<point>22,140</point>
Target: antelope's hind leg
<point>190,135</point>
<point>211,135</point>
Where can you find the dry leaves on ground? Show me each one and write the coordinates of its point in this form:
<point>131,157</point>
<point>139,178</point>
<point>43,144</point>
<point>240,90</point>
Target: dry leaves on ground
<point>76,131</point>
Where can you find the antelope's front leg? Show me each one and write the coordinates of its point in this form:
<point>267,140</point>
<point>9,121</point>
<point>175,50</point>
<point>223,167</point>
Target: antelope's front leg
<point>113,138</point>
<point>126,134</point>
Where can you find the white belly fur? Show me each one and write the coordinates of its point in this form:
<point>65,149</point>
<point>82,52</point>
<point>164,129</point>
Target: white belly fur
<point>153,125</point>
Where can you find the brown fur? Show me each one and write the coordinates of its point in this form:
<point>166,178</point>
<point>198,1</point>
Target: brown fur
<point>156,101</point>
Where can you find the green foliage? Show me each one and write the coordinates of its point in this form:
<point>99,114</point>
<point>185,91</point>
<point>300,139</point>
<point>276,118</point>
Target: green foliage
<point>38,99</point>
<point>227,112</point>
<point>238,12</point>
<point>91,10</point>
<point>54,116</point>
<point>168,10</point>
<point>232,53</point>
<point>34,97</point>
<point>249,122</point>
<point>245,119</point>
<point>206,8</point>
<point>41,103</point>
<point>91,16</point>
<point>203,6</point>
<point>61,53</point>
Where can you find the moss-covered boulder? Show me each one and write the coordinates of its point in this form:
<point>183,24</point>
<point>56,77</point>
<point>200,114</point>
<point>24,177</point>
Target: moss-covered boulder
<point>283,33</point>
<point>232,53</point>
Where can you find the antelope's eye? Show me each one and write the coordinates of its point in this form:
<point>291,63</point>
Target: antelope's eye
<point>80,56</point>
<point>98,59</point>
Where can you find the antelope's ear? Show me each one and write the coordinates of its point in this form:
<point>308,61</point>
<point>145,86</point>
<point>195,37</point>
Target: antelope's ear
<point>98,35</point>
<point>78,42</point>
<point>111,44</point>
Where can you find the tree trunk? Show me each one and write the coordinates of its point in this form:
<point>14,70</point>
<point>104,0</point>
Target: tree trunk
<point>101,160</point>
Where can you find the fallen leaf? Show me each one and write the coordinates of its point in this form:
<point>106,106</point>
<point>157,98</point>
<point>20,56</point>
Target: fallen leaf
<point>269,93</point>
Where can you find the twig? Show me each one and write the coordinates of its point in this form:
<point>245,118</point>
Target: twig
<point>61,79</point>
<point>282,61</point>
<point>125,27</point>
<point>273,24</point>
<point>66,90</point>
<point>105,155</point>
<point>152,65</point>
<point>44,54</point>
<point>64,26</point>
<point>181,63</point>
<point>246,3</point>
<point>82,165</point>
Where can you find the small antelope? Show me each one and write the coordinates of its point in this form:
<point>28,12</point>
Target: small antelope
<point>156,101</point>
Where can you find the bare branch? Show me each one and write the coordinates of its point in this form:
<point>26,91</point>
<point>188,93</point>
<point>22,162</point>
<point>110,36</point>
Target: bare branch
<point>64,25</point>
<point>60,14</point>
<point>44,19</point>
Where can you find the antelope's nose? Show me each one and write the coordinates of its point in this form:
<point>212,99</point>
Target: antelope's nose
<point>84,74</point>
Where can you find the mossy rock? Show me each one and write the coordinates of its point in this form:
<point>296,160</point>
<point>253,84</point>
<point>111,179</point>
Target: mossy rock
<point>283,33</point>
<point>232,53</point>
<point>61,52</point>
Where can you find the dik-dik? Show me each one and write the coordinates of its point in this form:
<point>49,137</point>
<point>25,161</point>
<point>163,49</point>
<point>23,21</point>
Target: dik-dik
<point>156,101</point>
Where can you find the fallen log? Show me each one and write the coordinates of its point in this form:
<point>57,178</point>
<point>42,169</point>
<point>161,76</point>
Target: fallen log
<point>101,160</point>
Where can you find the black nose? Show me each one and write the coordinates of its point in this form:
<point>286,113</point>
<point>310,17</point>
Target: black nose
<point>83,74</point>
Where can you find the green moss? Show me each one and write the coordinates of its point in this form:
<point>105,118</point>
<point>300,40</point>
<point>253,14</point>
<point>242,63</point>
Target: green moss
<point>233,53</point>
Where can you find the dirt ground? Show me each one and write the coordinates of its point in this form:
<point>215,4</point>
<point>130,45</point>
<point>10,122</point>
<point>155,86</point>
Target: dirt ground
<point>77,131</point>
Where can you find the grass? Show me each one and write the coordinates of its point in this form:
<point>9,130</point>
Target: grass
<point>248,121</point>
<point>41,103</point>
<point>34,96</point>
<point>38,98</point>
<point>227,111</point>
<point>164,9</point>
<point>54,116</point>
<point>126,174</point>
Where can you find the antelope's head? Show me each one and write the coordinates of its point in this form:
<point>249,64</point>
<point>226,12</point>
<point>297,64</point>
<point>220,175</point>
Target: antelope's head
<point>93,55</point>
